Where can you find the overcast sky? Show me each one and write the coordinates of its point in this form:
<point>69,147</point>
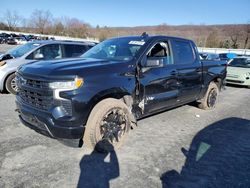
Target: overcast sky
<point>138,12</point>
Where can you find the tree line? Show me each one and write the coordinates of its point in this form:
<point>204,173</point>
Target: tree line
<point>43,22</point>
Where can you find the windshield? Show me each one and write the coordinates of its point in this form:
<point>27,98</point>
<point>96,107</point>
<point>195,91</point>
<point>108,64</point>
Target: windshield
<point>240,62</point>
<point>21,50</point>
<point>212,57</point>
<point>122,49</point>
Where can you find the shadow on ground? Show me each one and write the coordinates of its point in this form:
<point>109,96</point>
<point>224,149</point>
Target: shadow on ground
<point>97,169</point>
<point>219,156</point>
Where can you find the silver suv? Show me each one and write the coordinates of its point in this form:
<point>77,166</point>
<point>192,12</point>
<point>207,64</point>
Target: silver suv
<point>33,51</point>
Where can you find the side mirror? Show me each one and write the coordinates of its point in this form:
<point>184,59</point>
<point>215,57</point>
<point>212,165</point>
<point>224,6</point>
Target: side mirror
<point>39,56</point>
<point>154,62</point>
<point>6,57</point>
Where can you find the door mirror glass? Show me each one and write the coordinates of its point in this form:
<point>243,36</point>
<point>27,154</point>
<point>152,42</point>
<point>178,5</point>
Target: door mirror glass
<point>38,56</point>
<point>154,62</point>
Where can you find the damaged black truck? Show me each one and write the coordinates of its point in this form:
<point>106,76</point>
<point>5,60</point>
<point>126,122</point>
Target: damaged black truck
<point>98,98</point>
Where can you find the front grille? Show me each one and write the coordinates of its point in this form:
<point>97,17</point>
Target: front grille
<point>67,106</point>
<point>37,84</point>
<point>232,75</point>
<point>35,99</point>
<point>35,93</point>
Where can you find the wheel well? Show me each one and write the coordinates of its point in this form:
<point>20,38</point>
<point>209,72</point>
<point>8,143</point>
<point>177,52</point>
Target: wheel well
<point>4,83</point>
<point>116,95</point>
<point>104,95</point>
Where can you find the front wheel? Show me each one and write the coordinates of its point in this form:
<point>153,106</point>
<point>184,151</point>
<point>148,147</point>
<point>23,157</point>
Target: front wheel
<point>210,99</point>
<point>10,84</point>
<point>108,125</point>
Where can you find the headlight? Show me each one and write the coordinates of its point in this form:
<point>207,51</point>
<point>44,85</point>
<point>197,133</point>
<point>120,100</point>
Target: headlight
<point>67,85</point>
<point>2,63</point>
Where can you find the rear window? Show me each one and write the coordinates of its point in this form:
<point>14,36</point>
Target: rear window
<point>183,52</point>
<point>71,50</point>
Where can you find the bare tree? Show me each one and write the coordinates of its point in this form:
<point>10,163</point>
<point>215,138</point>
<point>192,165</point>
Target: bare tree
<point>41,20</point>
<point>212,40</point>
<point>234,34</point>
<point>247,30</point>
<point>77,28</point>
<point>57,27</point>
<point>12,19</point>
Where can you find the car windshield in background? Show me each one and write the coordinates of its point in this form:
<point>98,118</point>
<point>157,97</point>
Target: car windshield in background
<point>240,62</point>
<point>122,49</point>
<point>21,50</point>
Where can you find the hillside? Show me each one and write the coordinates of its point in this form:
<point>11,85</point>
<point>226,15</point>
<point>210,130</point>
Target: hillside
<point>227,36</point>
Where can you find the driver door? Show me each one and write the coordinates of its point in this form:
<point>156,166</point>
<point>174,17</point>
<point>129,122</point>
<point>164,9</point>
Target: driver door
<point>160,82</point>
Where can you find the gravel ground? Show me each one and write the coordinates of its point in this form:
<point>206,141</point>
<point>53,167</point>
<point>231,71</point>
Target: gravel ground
<point>182,147</point>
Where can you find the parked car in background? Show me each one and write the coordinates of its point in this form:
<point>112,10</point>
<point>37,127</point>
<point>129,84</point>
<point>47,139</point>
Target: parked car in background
<point>227,56</point>
<point>16,40</point>
<point>11,40</point>
<point>238,71</point>
<point>33,51</point>
<point>20,40</point>
<point>3,37</point>
<point>209,56</point>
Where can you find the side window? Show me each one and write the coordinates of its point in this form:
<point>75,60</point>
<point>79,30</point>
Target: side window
<point>183,52</point>
<point>79,50</point>
<point>90,46</point>
<point>160,50</point>
<point>71,50</point>
<point>46,52</point>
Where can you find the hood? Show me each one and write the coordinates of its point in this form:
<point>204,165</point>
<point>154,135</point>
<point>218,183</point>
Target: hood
<point>61,67</point>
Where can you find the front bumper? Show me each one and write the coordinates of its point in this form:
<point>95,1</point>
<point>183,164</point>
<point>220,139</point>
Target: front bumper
<point>2,78</point>
<point>44,123</point>
<point>238,81</point>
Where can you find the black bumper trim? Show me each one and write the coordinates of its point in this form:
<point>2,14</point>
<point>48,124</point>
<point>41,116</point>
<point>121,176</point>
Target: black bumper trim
<point>43,124</point>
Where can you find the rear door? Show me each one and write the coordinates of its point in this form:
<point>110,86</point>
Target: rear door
<point>46,52</point>
<point>189,70</point>
<point>160,83</point>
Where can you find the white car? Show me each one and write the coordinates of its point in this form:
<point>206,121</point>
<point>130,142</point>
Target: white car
<point>20,40</point>
<point>33,51</point>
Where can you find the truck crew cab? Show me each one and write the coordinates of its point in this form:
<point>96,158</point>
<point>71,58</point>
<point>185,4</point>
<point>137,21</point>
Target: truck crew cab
<point>99,97</point>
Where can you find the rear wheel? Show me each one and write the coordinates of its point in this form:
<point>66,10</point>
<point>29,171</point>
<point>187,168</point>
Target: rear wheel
<point>108,125</point>
<point>10,84</point>
<point>210,99</point>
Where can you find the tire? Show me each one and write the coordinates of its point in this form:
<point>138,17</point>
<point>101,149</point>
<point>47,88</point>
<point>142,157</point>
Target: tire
<point>209,101</point>
<point>10,84</point>
<point>108,119</point>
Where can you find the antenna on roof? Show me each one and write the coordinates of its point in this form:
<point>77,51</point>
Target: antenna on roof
<point>144,34</point>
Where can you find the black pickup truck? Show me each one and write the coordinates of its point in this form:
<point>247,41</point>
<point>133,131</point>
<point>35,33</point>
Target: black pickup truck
<point>99,97</point>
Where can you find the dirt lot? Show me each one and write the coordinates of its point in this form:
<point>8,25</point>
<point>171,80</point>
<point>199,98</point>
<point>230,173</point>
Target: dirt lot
<point>154,149</point>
